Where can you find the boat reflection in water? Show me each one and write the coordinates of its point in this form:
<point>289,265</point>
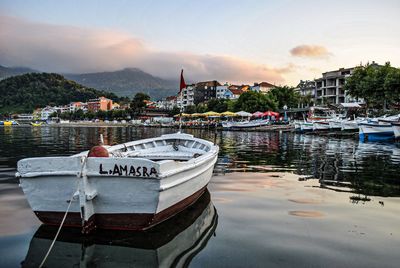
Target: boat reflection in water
<point>172,243</point>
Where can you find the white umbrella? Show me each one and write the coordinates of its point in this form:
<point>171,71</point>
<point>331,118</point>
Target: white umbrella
<point>244,114</point>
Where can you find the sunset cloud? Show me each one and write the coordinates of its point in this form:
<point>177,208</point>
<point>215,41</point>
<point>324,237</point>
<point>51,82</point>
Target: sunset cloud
<point>310,51</point>
<point>68,49</point>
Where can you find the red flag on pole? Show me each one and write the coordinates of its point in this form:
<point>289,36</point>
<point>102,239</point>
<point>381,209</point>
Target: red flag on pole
<point>183,84</point>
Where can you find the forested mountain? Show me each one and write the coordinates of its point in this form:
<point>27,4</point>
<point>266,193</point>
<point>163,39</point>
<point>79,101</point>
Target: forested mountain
<point>23,93</point>
<point>128,82</point>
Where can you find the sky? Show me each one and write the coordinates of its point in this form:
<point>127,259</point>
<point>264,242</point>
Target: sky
<point>232,41</point>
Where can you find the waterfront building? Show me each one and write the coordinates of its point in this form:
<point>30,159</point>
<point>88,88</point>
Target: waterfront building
<point>204,91</point>
<point>47,111</point>
<point>168,103</point>
<point>306,88</point>
<point>330,87</point>
<point>188,95</point>
<point>77,105</point>
<point>102,103</point>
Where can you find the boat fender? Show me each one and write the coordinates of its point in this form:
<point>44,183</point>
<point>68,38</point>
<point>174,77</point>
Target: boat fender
<point>98,151</point>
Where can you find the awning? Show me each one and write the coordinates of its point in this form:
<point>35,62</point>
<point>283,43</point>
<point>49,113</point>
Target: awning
<point>350,105</point>
<point>244,114</point>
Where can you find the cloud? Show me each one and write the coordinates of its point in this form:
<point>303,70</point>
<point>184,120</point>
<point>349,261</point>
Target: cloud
<point>310,51</point>
<point>69,49</point>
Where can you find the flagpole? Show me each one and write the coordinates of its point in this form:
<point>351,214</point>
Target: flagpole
<point>180,112</point>
<point>181,87</point>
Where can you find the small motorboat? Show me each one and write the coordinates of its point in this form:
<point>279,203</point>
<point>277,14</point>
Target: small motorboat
<point>131,186</point>
<point>8,123</point>
<point>36,124</point>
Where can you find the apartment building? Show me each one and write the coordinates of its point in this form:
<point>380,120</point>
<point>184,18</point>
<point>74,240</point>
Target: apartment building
<point>102,103</point>
<point>204,91</point>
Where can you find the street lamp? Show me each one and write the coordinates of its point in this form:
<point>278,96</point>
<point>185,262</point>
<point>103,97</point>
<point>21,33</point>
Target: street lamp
<point>285,117</point>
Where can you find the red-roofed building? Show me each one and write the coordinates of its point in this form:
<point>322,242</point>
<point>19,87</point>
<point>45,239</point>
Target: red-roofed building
<point>263,87</point>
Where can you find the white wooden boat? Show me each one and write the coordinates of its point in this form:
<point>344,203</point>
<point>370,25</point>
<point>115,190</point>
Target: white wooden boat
<point>173,243</point>
<point>349,125</point>
<point>139,185</point>
<point>245,124</point>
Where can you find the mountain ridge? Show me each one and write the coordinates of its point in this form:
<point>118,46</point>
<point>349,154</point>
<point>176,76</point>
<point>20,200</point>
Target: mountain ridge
<point>124,82</point>
<point>24,93</point>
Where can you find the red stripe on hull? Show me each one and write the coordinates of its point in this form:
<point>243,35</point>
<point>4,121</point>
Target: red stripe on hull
<point>118,221</point>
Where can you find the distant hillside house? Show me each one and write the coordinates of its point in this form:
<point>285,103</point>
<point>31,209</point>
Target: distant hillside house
<point>75,106</point>
<point>204,91</point>
<point>168,103</point>
<point>263,87</point>
<point>47,111</point>
<point>233,93</point>
<point>100,104</point>
<point>220,94</point>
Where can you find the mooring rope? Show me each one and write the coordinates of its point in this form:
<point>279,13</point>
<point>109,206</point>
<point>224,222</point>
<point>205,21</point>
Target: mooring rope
<point>65,216</point>
<point>58,232</point>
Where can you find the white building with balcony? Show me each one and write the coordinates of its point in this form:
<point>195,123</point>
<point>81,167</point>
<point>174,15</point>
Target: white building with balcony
<point>329,89</point>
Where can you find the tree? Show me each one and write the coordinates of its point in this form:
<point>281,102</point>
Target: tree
<point>285,96</point>
<point>377,85</point>
<point>306,100</point>
<point>217,105</point>
<point>190,109</point>
<point>255,101</point>
<point>174,111</point>
<point>138,103</point>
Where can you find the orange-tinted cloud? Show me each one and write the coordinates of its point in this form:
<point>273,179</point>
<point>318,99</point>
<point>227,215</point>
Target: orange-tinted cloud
<point>310,51</point>
<point>67,49</point>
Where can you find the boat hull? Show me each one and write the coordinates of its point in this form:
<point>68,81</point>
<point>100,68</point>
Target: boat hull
<point>306,126</point>
<point>247,124</point>
<point>118,221</point>
<point>335,125</point>
<point>396,130</point>
<point>318,126</point>
<point>172,243</point>
<point>375,131</point>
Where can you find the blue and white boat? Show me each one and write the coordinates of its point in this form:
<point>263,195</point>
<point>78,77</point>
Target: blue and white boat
<point>373,130</point>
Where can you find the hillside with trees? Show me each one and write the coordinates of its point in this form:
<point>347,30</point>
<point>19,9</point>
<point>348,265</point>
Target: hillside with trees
<point>24,93</point>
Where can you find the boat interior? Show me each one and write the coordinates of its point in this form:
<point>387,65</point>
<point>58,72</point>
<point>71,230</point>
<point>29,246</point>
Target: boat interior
<point>180,147</point>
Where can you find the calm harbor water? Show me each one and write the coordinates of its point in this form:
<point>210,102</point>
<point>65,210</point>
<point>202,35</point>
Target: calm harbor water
<point>276,200</point>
